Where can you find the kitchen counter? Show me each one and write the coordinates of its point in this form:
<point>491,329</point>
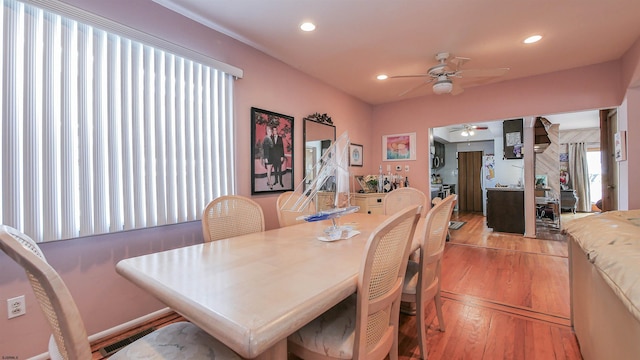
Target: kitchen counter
<point>505,209</point>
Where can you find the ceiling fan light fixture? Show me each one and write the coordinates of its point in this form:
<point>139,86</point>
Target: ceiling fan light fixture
<point>443,86</point>
<point>464,133</point>
<point>307,26</point>
<point>532,39</point>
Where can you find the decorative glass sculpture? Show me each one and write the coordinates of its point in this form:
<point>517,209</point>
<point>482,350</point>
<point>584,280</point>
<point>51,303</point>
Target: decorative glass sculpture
<point>331,175</point>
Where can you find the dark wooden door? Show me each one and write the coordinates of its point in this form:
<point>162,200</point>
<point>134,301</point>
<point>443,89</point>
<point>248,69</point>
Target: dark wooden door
<point>469,186</point>
<point>609,175</point>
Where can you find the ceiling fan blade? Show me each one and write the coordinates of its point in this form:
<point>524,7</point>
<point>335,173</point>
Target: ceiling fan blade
<point>482,72</point>
<point>413,88</point>
<point>475,127</point>
<point>457,89</point>
<point>408,76</point>
<point>458,61</point>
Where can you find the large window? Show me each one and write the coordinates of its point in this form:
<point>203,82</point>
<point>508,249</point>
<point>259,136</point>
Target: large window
<point>101,133</point>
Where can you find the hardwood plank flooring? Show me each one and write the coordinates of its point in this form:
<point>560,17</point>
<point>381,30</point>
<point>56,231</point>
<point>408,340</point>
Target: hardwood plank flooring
<point>504,297</point>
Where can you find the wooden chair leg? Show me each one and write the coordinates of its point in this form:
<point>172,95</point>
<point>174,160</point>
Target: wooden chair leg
<point>438,301</point>
<point>422,329</point>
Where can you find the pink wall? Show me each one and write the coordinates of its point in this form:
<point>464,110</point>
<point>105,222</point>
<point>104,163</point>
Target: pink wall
<point>87,264</point>
<point>591,87</point>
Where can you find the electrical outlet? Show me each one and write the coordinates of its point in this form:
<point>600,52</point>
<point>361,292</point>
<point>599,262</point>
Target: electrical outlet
<point>398,168</point>
<point>406,168</point>
<point>388,168</point>
<point>16,306</point>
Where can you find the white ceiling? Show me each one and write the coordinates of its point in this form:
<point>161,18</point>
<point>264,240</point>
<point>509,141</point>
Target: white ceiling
<point>356,40</point>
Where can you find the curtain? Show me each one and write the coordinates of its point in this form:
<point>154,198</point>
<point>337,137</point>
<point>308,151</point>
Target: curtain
<point>579,175</point>
<point>101,133</point>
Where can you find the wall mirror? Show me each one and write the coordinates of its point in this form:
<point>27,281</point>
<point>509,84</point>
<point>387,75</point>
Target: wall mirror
<point>318,137</point>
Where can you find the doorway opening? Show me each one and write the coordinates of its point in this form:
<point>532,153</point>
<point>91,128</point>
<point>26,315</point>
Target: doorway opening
<point>594,168</point>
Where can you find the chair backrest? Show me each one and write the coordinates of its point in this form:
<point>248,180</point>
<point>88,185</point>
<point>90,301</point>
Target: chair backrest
<point>435,227</point>
<point>52,294</point>
<point>291,205</point>
<point>380,284</point>
<point>399,199</point>
<point>229,216</point>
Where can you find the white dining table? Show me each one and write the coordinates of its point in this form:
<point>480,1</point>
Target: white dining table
<point>252,291</point>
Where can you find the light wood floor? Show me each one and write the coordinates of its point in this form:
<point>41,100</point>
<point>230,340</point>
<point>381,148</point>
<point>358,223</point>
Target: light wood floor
<point>504,297</point>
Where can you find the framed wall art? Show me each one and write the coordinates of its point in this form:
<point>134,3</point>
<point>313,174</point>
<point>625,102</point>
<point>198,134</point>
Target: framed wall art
<point>620,143</point>
<point>399,147</point>
<point>272,152</point>
<point>541,182</point>
<point>355,155</point>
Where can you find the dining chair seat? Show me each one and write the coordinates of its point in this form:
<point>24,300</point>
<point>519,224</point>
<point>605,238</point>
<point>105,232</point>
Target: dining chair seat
<point>338,328</point>
<point>180,340</point>
<point>411,277</point>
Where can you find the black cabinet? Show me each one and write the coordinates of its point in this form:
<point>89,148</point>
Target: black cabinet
<point>505,210</point>
<point>512,138</point>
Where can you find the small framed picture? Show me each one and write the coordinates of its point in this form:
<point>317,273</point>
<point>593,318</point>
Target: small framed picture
<point>620,142</point>
<point>355,155</point>
<point>541,181</point>
<point>399,147</point>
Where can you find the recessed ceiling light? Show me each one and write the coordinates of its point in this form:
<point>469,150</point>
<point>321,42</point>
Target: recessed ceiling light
<point>532,39</point>
<point>307,26</point>
<point>382,77</point>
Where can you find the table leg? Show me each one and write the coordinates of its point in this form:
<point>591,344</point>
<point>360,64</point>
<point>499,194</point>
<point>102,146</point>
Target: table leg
<point>276,352</point>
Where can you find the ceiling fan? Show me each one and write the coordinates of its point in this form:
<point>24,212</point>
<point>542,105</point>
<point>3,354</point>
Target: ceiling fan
<point>468,129</point>
<point>441,74</point>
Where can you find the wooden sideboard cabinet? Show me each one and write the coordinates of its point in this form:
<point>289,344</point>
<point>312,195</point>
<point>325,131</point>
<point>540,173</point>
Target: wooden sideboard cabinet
<point>370,203</point>
<point>505,210</point>
<point>568,200</point>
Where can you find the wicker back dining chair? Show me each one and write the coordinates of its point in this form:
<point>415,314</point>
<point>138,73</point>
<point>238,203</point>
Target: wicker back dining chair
<point>365,325</point>
<point>69,339</point>
<point>422,281</point>
<point>231,215</point>
<point>401,198</point>
<point>291,205</point>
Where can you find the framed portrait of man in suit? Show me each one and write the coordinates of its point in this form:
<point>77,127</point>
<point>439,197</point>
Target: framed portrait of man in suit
<point>272,152</point>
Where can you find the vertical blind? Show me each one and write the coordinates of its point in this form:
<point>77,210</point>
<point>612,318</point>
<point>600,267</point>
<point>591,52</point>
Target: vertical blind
<point>101,133</point>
